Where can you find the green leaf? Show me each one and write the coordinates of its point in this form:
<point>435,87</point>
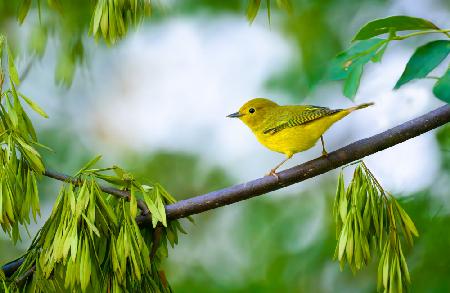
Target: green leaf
<point>392,24</point>
<point>442,87</point>
<point>404,266</point>
<point>104,20</point>
<point>56,5</point>
<point>89,164</point>
<point>343,208</point>
<point>406,219</point>
<point>358,54</point>
<point>111,179</point>
<point>65,70</point>
<point>33,157</point>
<point>351,84</point>
<point>386,263</point>
<point>29,126</point>
<point>350,240</point>
<point>23,10</point>
<point>285,5</point>
<point>424,60</point>
<point>34,106</point>
<point>38,40</point>
<point>252,9</point>
<point>133,202</point>
<point>343,240</point>
<point>91,225</point>
<point>377,57</point>
<point>12,68</point>
<point>97,16</point>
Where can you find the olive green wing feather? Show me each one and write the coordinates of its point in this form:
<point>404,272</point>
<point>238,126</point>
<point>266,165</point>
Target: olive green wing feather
<point>299,117</point>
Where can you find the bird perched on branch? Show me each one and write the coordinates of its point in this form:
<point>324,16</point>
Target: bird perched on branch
<point>289,129</point>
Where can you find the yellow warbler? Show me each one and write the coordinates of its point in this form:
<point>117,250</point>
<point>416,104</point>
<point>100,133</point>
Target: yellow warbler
<point>289,129</point>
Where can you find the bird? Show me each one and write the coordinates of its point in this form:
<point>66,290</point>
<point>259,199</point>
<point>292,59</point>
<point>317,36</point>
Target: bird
<point>289,129</point>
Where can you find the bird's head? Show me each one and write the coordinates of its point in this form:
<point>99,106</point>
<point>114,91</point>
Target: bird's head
<point>254,112</point>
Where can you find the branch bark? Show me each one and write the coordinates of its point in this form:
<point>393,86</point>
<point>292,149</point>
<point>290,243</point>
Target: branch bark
<point>236,193</point>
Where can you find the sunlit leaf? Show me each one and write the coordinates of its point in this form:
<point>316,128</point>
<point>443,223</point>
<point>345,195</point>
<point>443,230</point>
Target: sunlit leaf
<point>342,241</point>
<point>23,10</point>
<point>34,106</point>
<point>12,68</point>
<point>90,164</point>
<point>406,219</point>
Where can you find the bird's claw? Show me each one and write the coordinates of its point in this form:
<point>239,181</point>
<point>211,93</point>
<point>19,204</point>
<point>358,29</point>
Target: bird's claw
<point>272,173</point>
<point>324,153</point>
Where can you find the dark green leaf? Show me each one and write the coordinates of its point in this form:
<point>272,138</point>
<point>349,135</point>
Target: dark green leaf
<point>393,24</point>
<point>352,82</point>
<point>442,87</point>
<point>424,60</point>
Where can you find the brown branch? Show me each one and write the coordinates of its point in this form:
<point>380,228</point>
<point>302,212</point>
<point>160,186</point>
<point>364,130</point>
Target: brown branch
<point>107,189</point>
<point>236,193</point>
<point>19,281</point>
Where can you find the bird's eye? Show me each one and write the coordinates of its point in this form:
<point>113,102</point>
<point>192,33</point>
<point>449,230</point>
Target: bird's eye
<point>251,110</point>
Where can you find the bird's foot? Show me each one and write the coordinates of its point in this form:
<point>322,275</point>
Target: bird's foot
<point>324,153</point>
<point>272,173</point>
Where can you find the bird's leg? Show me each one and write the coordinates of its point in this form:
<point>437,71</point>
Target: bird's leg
<point>272,171</point>
<point>324,152</point>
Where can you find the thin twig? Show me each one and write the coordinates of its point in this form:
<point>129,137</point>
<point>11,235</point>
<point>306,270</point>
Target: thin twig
<point>19,281</point>
<point>107,189</point>
<point>399,38</point>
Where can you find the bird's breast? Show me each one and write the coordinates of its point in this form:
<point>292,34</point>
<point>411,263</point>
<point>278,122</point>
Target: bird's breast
<point>290,140</point>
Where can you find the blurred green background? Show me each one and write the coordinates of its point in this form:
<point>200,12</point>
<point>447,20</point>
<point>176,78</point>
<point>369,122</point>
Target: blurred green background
<point>155,105</point>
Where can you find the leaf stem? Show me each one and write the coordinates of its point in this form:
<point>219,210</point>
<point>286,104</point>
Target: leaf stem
<point>399,38</point>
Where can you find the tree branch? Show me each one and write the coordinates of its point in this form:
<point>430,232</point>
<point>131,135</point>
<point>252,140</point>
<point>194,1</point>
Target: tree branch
<point>236,193</point>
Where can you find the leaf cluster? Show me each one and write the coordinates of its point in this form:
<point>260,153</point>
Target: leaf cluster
<point>369,219</point>
<point>92,243</point>
<point>111,18</point>
<point>20,162</point>
<point>254,5</point>
<point>349,65</point>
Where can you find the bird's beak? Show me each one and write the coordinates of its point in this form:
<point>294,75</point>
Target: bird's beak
<point>235,115</point>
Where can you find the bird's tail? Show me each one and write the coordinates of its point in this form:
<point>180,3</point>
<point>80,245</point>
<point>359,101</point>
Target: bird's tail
<point>365,105</point>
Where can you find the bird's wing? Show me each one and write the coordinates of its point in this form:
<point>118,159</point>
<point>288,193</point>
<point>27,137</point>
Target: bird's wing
<point>299,116</point>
